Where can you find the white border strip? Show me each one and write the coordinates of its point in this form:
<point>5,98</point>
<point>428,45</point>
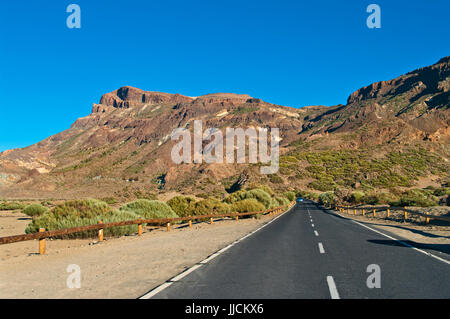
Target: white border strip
<point>156,290</point>
<point>209,258</point>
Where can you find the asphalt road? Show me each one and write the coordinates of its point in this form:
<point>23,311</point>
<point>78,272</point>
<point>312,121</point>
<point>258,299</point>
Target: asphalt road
<point>328,257</point>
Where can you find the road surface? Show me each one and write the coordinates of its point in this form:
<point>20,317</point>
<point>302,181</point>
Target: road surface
<point>309,252</point>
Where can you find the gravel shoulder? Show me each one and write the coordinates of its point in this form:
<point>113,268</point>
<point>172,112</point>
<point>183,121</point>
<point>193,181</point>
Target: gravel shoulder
<point>125,267</point>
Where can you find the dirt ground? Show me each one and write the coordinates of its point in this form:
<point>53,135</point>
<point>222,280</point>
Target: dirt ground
<point>125,267</point>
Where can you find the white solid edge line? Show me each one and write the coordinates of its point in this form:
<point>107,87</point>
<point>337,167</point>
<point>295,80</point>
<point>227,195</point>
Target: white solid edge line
<point>185,273</point>
<point>403,243</point>
<point>332,287</point>
<point>398,240</point>
<point>156,290</point>
<point>189,270</point>
<point>322,251</point>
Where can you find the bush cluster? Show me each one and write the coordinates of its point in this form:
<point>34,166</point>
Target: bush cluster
<point>179,204</point>
<point>82,213</point>
<point>149,209</point>
<point>260,195</point>
<point>11,206</point>
<point>34,210</point>
<point>247,205</point>
<point>208,206</point>
<point>78,213</point>
<point>412,197</point>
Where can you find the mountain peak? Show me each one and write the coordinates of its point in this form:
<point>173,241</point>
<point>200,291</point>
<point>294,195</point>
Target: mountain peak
<point>128,96</point>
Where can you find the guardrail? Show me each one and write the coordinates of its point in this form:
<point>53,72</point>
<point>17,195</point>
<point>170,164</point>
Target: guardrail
<point>387,209</point>
<point>43,234</point>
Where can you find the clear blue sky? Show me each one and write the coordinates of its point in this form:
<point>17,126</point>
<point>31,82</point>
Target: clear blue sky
<point>293,53</point>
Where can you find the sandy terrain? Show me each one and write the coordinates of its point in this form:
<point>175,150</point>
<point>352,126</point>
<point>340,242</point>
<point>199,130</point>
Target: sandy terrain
<point>125,267</point>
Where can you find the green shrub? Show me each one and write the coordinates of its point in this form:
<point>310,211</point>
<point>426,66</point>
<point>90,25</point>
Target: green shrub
<point>265,188</point>
<point>145,195</point>
<point>82,208</point>
<point>357,197</point>
<point>207,207</point>
<point>325,184</point>
<point>417,197</point>
<point>109,200</point>
<point>149,209</point>
<point>179,204</point>
<point>290,195</point>
<point>327,198</point>
<point>52,221</point>
<point>34,210</point>
<point>441,191</point>
<point>282,201</point>
<point>274,178</point>
<point>386,198</point>
<point>11,206</point>
<point>371,199</point>
<point>247,205</point>
<point>257,193</point>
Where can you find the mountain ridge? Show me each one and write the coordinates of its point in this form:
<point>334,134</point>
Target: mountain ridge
<point>126,137</point>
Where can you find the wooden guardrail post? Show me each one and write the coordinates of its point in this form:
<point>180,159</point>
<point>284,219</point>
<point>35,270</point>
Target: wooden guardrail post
<point>427,219</point>
<point>168,226</point>
<point>237,217</point>
<point>406,214</point>
<point>354,212</point>
<point>190,223</point>
<point>363,212</point>
<point>42,243</point>
<point>140,227</point>
<point>374,213</point>
<point>211,221</point>
<point>100,232</point>
<point>388,212</point>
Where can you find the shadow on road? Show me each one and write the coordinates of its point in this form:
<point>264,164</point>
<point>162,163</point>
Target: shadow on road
<point>444,248</point>
<point>416,231</point>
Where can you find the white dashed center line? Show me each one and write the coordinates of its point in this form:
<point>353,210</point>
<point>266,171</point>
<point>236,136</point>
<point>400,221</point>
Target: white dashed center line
<point>322,251</point>
<point>316,233</point>
<point>332,287</point>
